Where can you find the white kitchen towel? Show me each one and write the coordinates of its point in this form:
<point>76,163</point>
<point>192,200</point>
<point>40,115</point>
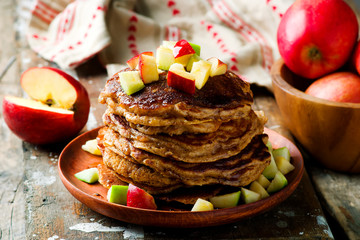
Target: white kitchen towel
<point>241,33</point>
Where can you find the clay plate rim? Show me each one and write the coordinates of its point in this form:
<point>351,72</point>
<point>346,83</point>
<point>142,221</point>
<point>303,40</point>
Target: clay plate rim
<point>73,159</point>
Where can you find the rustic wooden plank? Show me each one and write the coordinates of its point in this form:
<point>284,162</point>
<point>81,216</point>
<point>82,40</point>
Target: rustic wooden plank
<point>340,195</point>
<point>12,202</point>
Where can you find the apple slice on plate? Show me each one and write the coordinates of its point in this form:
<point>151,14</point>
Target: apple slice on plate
<point>57,111</point>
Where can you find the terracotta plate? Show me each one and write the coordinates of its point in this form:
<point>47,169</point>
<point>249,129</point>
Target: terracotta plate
<point>73,159</point>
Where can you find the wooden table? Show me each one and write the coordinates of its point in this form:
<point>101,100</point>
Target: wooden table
<point>34,204</point>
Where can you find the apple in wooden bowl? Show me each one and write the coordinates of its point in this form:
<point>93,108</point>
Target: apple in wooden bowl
<point>328,130</point>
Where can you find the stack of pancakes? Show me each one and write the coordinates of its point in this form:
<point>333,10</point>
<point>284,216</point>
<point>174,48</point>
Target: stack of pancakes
<point>179,146</point>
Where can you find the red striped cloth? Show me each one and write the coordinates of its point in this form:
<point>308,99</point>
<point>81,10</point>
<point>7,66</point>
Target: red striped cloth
<point>241,33</point>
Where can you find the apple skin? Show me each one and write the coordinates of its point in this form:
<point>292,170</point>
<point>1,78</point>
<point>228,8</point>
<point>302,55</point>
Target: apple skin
<point>355,60</point>
<point>338,87</point>
<point>38,126</point>
<point>182,48</point>
<point>175,80</point>
<point>137,197</point>
<point>317,37</point>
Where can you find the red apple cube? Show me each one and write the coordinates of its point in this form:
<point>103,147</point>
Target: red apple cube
<point>137,197</point>
<point>183,52</point>
<point>201,71</point>
<point>134,61</point>
<point>148,68</point>
<point>217,67</point>
<point>180,79</point>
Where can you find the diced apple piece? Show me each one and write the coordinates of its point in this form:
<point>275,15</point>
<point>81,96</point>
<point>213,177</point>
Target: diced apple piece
<point>270,171</point>
<point>137,197</point>
<point>91,147</point>
<point>179,79</point>
<point>284,165</point>
<point>249,196</point>
<point>278,183</point>
<point>226,200</point>
<point>263,181</point>
<point>133,62</point>
<point>202,205</point>
<point>201,71</point>
<point>258,188</point>
<point>269,146</point>
<point>148,69</point>
<point>283,151</point>
<point>131,82</point>
<point>117,194</point>
<point>196,48</point>
<point>194,58</point>
<point>182,52</point>
<point>164,57</point>
<point>169,44</point>
<point>90,175</point>
<point>217,67</point>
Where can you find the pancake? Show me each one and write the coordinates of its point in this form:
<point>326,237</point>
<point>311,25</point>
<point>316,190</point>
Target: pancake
<point>228,140</point>
<point>223,98</point>
<point>239,170</point>
<point>108,177</point>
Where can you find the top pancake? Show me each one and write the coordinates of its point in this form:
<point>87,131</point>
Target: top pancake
<point>224,97</point>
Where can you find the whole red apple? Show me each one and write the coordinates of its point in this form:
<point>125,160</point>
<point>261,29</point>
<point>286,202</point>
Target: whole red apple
<point>338,87</point>
<point>58,108</point>
<point>317,37</point>
<point>355,60</point>
<point>137,197</point>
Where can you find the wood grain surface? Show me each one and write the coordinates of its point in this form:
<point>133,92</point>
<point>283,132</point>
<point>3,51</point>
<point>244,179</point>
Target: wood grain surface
<point>34,204</point>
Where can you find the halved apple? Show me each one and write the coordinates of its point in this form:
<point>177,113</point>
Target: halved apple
<point>148,68</point>
<point>133,62</point>
<point>217,67</point>
<point>180,79</point>
<point>201,71</point>
<point>182,52</point>
<point>58,110</point>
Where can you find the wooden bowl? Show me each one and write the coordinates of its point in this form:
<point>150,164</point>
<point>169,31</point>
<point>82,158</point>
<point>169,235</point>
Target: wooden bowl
<point>329,131</point>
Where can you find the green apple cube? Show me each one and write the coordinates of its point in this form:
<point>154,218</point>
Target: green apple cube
<point>164,57</point>
<point>278,183</point>
<point>283,151</point>
<point>202,205</point>
<point>194,58</point>
<point>256,187</point>
<point>284,165</point>
<point>131,82</point>
<point>201,71</point>
<point>249,196</point>
<point>226,200</point>
<point>196,48</point>
<point>264,182</point>
<point>269,146</point>
<point>270,171</point>
<point>90,175</point>
<point>117,194</point>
